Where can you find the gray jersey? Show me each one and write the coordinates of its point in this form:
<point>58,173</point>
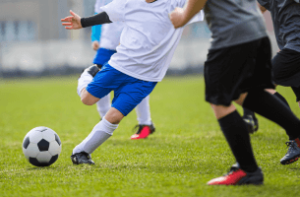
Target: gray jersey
<point>234,22</point>
<point>286,21</point>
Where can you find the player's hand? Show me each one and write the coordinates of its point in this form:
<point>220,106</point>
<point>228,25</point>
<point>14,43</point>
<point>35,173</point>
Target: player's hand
<point>72,22</point>
<point>177,17</point>
<point>95,45</point>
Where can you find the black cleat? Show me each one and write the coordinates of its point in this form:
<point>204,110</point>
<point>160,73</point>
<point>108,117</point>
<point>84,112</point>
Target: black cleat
<point>252,123</point>
<point>293,153</point>
<point>92,70</point>
<point>82,158</point>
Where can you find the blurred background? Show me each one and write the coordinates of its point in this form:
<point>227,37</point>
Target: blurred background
<point>33,42</point>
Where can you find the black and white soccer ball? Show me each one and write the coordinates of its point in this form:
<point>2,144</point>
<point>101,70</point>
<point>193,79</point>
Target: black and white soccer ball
<point>41,146</point>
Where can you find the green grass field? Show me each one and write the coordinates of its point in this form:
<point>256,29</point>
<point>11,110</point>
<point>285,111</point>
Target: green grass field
<point>187,150</point>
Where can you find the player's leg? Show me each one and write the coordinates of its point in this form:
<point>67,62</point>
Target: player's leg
<point>128,93</point>
<point>270,106</point>
<point>87,98</point>
<point>237,136</point>
<point>145,126</point>
<point>103,105</point>
<point>225,71</point>
<point>91,90</point>
<point>250,118</point>
<point>100,133</point>
<point>236,133</point>
<point>86,77</point>
<point>143,112</point>
<point>286,70</point>
<point>279,96</point>
<point>101,58</point>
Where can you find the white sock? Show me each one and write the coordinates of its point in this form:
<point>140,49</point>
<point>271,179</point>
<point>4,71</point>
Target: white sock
<point>83,81</point>
<point>100,133</point>
<point>143,112</point>
<point>103,105</point>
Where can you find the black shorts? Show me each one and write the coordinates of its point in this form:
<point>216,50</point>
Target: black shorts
<point>231,71</point>
<point>286,68</point>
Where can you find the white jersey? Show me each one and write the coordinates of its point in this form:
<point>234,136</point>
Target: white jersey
<point>110,34</point>
<point>148,40</point>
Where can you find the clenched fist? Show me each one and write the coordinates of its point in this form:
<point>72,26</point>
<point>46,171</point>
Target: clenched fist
<point>177,17</point>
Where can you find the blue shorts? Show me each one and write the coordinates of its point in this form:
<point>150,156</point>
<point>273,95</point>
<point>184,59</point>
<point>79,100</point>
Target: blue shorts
<point>103,55</point>
<point>128,91</point>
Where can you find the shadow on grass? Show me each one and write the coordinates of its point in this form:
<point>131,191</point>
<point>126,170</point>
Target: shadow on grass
<point>295,169</point>
<point>43,168</point>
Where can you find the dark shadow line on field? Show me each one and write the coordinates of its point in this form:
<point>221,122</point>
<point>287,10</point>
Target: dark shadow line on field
<point>41,168</point>
<point>295,169</point>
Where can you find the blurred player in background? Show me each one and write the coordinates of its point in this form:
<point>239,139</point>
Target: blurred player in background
<point>105,39</point>
<point>238,68</point>
<point>286,22</point>
<point>147,44</point>
<point>285,65</point>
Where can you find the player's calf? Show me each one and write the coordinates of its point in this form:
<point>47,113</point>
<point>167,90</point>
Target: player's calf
<point>100,133</point>
<point>114,116</point>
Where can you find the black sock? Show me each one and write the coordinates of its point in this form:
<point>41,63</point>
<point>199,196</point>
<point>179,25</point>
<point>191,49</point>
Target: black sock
<point>282,99</point>
<point>275,110</point>
<point>237,136</point>
<point>297,93</point>
<point>248,112</point>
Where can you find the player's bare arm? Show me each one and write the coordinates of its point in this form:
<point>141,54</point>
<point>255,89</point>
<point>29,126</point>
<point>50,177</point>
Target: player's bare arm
<point>76,22</point>
<point>181,16</point>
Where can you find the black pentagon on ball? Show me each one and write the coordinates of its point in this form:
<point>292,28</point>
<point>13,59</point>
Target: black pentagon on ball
<point>43,145</point>
<point>26,143</point>
<point>57,139</point>
<point>35,162</point>
<point>53,159</point>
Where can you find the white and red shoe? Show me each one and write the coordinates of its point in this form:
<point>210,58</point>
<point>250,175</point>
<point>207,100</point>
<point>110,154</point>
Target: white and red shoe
<point>237,176</point>
<point>143,131</point>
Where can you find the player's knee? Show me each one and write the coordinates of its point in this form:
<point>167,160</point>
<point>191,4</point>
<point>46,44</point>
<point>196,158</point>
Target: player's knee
<point>114,116</point>
<point>87,98</point>
<point>87,101</point>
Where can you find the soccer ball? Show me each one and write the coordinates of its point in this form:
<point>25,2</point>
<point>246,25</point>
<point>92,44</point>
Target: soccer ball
<point>41,146</point>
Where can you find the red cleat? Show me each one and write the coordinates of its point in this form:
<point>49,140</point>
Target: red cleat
<point>237,176</point>
<point>143,132</point>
